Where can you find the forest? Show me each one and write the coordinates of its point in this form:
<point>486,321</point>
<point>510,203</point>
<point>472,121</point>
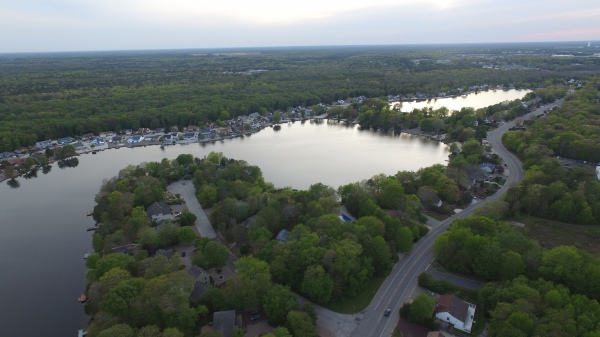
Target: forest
<point>46,96</point>
<point>560,152</point>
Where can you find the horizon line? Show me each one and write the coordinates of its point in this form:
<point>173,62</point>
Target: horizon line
<point>583,42</point>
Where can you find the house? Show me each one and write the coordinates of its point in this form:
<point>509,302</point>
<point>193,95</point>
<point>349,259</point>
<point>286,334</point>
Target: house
<point>97,141</point>
<point>200,275</point>
<point>223,321</point>
<point>487,168</point>
<point>168,138</point>
<point>127,131</point>
<point>65,140</point>
<point>453,310</point>
<point>87,136</point>
<point>220,276</point>
<point>78,146</point>
<point>167,253</point>
<point>43,144</point>
<point>598,171</point>
<point>135,139</point>
<point>117,139</point>
<point>159,211</point>
<point>283,236</point>
<point>409,329</point>
<point>107,134</point>
<point>205,133</point>
<point>190,136</point>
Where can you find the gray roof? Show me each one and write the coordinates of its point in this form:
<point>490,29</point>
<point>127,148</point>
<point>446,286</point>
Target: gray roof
<point>198,293</point>
<point>168,253</point>
<point>224,321</point>
<point>158,208</point>
<point>283,236</point>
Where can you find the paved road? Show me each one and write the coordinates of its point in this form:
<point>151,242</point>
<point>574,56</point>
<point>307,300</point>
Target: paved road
<point>187,190</point>
<point>399,285</point>
<point>456,280</point>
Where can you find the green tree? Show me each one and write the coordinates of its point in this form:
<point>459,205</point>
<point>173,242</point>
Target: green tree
<point>404,240</point>
<point>247,289</point>
<point>300,324</point>
<point>278,302</point>
<point>110,261</point>
<point>317,285</point>
<point>207,196</point>
<point>215,254</point>
<point>186,234</point>
<point>187,219</point>
<point>421,309</point>
<point>118,330</point>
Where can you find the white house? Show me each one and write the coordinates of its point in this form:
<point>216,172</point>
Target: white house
<point>598,171</point>
<point>453,310</point>
<point>159,211</point>
<point>135,139</point>
<point>190,136</point>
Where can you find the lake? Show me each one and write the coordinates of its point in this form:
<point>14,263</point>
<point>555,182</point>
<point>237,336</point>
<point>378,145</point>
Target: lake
<point>475,100</point>
<point>44,224</point>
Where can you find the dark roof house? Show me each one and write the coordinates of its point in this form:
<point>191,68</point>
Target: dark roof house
<point>224,321</point>
<point>159,211</point>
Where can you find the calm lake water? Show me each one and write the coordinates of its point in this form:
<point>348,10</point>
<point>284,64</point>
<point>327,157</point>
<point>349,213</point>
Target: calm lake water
<point>43,222</point>
<point>480,100</point>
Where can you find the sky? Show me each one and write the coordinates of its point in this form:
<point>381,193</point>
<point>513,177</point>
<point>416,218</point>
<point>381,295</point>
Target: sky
<point>93,25</point>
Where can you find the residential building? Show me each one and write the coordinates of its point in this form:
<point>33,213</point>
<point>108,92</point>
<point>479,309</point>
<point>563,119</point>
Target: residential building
<point>224,321</point>
<point>65,140</point>
<point>43,144</point>
<point>135,139</point>
<point>453,310</point>
<point>159,211</point>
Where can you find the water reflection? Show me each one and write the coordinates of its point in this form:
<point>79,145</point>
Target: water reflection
<point>13,183</point>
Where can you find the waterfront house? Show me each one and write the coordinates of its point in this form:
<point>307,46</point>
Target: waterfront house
<point>205,133</point>
<point>135,139</point>
<point>190,136</point>
<point>87,136</point>
<point>107,134</point>
<point>65,140</point>
<point>159,211</point>
<point>78,146</point>
<point>453,310</point>
<point>97,141</point>
<point>117,139</point>
<point>43,144</point>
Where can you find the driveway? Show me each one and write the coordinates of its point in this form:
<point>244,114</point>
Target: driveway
<point>186,189</point>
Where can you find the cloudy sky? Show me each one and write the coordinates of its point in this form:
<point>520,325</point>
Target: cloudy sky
<point>82,25</point>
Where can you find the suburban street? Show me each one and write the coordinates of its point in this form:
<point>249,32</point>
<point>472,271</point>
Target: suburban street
<point>402,281</point>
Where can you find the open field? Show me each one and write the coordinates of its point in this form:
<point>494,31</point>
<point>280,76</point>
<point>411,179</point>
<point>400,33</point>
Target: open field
<point>552,234</point>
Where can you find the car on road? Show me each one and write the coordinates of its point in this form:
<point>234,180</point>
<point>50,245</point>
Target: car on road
<point>387,312</point>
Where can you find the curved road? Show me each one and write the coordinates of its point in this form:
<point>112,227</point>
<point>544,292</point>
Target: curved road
<point>399,285</point>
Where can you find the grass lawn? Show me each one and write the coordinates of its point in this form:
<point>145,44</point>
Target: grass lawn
<point>358,303</point>
<point>437,216</point>
<point>551,234</point>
